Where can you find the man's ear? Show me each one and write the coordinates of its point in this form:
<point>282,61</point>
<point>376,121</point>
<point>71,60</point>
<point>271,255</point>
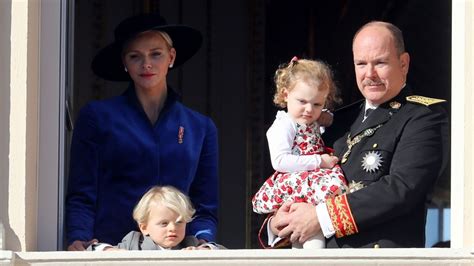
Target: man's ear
<point>405,62</point>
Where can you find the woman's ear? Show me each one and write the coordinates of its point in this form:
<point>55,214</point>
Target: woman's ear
<point>173,56</point>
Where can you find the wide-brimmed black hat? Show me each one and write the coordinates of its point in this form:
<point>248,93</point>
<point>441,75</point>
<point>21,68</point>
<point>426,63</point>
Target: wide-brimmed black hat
<point>107,64</point>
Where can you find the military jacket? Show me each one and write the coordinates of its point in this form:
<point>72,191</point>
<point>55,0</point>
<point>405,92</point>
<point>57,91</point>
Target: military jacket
<point>395,155</point>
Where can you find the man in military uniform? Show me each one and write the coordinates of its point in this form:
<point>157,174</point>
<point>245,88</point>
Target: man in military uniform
<point>391,147</point>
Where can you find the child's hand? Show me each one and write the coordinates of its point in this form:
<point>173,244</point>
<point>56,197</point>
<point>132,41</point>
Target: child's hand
<point>325,119</point>
<point>198,247</point>
<point>190,248</point>
<point>328,161</point>
<point>112,249</point>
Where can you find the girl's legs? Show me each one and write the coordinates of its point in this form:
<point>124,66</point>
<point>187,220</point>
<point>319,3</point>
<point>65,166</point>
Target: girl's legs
<point>316,242</point>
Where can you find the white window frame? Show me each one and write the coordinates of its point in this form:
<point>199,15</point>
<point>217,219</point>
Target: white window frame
<point>53,67</point>
<point>461,86</point>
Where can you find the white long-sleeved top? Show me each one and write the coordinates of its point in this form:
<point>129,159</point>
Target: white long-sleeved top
<point>280,138</point>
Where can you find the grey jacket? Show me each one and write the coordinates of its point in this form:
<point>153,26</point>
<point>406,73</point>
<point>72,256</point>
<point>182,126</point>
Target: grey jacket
<point>137,241</point>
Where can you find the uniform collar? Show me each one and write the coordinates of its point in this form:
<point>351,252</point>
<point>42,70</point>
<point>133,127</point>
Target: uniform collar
<point>382,113</point>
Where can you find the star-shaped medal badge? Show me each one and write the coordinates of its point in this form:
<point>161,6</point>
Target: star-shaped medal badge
<point>372,161</point>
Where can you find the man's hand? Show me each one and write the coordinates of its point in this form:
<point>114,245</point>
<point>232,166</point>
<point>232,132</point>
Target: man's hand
<point>280,219</point>
<point>302,223</point>
<point>325,119</point>
<point>79,245</point>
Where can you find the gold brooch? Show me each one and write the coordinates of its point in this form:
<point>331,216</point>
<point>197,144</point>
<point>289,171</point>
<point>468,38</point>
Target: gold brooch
<point>180,135</point>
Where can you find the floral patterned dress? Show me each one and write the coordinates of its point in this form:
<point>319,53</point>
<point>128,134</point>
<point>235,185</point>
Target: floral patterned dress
<point>313,186</point>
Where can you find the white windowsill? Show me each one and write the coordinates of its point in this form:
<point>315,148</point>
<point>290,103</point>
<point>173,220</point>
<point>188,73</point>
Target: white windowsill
<point>432,256</point>
<point>6,257</point>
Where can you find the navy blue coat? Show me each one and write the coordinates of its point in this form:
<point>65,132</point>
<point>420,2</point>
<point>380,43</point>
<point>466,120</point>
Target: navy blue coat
<point>117,155</point>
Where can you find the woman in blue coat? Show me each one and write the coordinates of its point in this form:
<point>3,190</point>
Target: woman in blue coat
<point>124,145</point>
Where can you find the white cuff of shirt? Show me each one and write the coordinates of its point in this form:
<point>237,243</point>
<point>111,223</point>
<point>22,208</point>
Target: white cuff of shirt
<point>324,220</point>
<point>272,239</point>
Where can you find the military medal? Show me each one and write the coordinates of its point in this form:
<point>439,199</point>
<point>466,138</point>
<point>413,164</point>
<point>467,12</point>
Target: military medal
<point>395,105</point>
<point>351,142</point>
<point>372,161</point>
<point>354,186</point>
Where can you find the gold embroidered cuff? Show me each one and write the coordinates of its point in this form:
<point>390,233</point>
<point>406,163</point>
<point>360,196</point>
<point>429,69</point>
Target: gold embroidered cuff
<point>341,216</point>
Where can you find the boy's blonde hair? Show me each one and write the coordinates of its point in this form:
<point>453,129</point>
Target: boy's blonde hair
<point>313,72</point>
<point>167,196</point>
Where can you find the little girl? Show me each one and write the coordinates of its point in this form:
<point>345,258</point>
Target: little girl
<point>161,215</point>
<point>305,172</point>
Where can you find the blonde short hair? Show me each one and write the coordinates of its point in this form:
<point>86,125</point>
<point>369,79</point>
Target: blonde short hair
<point>167,196</point>
<point>313,72</point>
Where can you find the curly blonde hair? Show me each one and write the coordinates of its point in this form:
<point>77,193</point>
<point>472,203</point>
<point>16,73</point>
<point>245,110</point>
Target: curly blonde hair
<point>314,72</point>
<point>167,196</point>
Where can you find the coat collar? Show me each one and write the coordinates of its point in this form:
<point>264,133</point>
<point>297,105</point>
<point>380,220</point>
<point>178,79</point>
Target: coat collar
<point>131,95</point>
<point>382,114</point>
<point>171,98</point>
<point>148,244</point>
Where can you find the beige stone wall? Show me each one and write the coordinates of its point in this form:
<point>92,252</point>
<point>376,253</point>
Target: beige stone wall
<point>22,123</point>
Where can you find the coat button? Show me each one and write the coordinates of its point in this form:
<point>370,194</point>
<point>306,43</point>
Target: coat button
<point>376,246</point>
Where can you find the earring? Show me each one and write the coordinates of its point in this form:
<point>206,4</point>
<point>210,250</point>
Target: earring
<point>171,65</point>
<point>125,68</point>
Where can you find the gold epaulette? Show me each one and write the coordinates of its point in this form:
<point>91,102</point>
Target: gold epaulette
<point>424,100</point>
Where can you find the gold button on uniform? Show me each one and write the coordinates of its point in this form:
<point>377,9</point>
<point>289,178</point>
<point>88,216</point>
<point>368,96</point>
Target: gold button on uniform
<point>376,246</point>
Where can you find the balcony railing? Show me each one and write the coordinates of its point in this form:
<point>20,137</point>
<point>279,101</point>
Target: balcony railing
<point>432,257</point>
